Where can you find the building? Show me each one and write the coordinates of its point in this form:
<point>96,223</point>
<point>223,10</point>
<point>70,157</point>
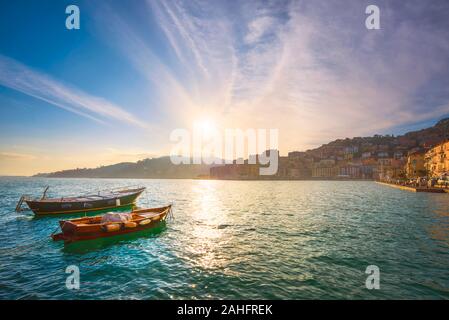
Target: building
<point>366,155</point>
<point>350,170</point>
<point>325,169</point>
<point>398,155</point>
<point>283,166</point>
<point>415,166</point>
<point>389,168</point>
<point>235,171</point>
<point>437,160</point>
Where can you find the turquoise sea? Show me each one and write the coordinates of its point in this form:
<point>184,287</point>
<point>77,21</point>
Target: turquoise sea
<point>236,240</point>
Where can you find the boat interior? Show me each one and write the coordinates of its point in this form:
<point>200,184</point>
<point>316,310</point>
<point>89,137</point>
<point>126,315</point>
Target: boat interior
<point>136,215</point>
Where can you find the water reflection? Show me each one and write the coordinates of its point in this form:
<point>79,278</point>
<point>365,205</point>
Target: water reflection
<point>82,247</point>
<point>438,228</point>
<point>206,235</point>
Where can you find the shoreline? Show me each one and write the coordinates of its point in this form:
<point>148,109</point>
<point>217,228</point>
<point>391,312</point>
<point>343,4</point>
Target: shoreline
<point>413,189</point>
<point>196,178</point>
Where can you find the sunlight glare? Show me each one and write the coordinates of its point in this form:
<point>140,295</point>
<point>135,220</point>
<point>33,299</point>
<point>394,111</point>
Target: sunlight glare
<point>208,127</point>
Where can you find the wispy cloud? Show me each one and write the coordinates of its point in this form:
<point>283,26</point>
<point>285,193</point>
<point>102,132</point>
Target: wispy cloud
<point>258,27</point>
<point>16,156</point>
<point>196,74</point>
<point>17,76</point>
<point>309,68</point>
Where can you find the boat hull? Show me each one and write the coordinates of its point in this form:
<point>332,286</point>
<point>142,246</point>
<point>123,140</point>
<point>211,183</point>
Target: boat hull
<point>56,207</point>
<point>74,232</point>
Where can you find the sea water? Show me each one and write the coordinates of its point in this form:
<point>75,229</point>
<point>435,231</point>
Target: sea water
<point>236,240</point>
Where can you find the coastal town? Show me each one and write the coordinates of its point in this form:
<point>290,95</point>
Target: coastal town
<point>400,159</point>
<point>414,155</point>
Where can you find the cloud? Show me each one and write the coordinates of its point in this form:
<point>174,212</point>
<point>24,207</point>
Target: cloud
<point>195,74</point>
<point>17,76</point>
<point>353,81</point>
<point>16,156</point>
<point>309,68</point>
<point>258,27</point>
<point>200,33</point>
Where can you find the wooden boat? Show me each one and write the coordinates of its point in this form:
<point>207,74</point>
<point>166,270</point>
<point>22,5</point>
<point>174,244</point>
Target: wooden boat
<point>88,228</point>
<point>107,200</point>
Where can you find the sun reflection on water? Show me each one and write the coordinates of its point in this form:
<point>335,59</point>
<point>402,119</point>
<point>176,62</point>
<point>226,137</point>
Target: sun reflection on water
<point>207,236</point>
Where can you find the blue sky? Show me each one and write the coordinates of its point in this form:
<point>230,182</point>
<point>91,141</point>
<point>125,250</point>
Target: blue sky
<point>115,89</point>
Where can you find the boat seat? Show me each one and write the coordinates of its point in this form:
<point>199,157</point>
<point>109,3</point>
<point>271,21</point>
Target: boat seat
<point>83,224</point>
<point>149,214</point>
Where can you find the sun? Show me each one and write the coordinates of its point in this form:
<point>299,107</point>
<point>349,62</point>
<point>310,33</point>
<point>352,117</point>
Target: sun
<point>207,127</point>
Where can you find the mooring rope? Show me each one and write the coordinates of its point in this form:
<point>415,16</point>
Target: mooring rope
<point>170,213</point>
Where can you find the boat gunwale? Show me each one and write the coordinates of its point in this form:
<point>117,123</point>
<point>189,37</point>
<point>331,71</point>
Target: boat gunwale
<point>73,199</point>
<point>46,208</point>
<point>136,212</point>
<point>74,236</point>
<point>85,210</point>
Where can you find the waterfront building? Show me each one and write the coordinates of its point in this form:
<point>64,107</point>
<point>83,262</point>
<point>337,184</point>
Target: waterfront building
<point>437,160</point>
<point>325,169</point>
<point>390,168</point>
<point>351,170</point>
<point>367,171</point>
<point>235,171</point>
<point>283,166</point>
<point>415,165</point>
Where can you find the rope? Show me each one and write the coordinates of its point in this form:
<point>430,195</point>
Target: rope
<point>170,214</point>
<point>57,228</point>
<point>19,204</point>
<point>62,227</point>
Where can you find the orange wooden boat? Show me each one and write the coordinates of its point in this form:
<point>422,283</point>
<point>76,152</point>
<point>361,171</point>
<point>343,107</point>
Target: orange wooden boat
<point>88,228</point>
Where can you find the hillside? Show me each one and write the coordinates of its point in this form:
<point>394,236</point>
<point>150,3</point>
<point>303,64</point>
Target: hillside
<point>148,168</point>
<point>420,139</point>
